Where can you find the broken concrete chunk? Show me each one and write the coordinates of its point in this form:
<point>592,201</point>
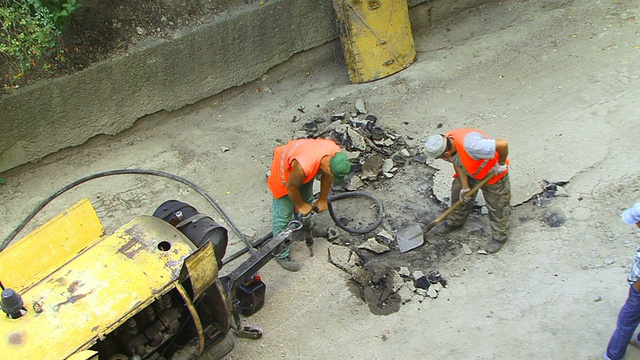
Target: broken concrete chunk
<point>360,107</point>
<point>371,167</point>
<point>383,233</point>
<point>338,116</point>
<point>404,271</point>
<point>466,249</point>
<point>398,282</point>
<point>357,141</point>
<point>405,293</point>
<point>355,183</point>
<point>417,274</point>
<point>310,126</point>
<point>373,245</point>
<point>387,165</point>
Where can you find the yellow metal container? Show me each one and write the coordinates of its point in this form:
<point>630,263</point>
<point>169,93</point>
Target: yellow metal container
<point>79,285</point>
<point>376,37</point>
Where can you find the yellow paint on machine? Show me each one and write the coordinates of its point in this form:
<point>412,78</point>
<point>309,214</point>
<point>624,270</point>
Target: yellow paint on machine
<point>376,37</point>
<point>95,290</point>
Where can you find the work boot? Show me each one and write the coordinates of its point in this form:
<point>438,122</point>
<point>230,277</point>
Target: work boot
<point>288,263</point>
<point>445,228</point>
<point>494,245</point>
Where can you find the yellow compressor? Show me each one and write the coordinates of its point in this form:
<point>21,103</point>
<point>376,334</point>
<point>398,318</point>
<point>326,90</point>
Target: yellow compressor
<point>150,290</point>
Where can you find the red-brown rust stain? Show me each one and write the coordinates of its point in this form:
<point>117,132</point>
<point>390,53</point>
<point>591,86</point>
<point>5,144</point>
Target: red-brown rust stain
<point>135,243</point>
<point>71,300</point>
<point>74,286</point>
<point>17,338</point>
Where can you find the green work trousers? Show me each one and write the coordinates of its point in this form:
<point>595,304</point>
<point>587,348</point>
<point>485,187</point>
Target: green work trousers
<point>498,201</point>
<point>284,211</point>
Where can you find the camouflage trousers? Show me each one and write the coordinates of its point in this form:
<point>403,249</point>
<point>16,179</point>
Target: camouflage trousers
<point>498,201</point>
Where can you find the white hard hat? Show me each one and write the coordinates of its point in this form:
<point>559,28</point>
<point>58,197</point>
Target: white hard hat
<point>435,145</point>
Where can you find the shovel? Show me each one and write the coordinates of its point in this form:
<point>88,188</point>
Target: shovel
<point>413,236</point>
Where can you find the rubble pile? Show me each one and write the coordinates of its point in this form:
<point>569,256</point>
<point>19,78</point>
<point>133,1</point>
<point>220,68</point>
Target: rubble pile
<point>375,153</point>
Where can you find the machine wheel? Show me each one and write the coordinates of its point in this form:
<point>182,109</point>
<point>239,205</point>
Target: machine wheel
<point>220,349</point>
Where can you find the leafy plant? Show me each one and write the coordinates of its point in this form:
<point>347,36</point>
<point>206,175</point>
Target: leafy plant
<point>29,30</point>
<point>61,11</point>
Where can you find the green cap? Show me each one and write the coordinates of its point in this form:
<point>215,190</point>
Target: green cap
<point>340,167</point>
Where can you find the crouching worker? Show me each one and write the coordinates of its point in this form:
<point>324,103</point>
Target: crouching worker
<point>293,169</point>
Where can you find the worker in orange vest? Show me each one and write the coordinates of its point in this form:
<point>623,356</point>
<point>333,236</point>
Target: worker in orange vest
<point>293,169</point>
<point>474,155</point>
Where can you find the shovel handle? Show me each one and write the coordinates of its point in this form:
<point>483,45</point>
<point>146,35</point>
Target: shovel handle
<point>459,202</point>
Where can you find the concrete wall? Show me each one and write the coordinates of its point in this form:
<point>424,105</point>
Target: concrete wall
<point>109,97</point>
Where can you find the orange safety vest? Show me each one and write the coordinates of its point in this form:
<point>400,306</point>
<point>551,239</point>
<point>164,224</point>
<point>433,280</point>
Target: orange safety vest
<point>307,152</point>
<point>477,169</point>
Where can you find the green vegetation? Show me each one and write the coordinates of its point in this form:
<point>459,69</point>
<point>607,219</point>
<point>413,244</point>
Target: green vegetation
<point>29,30</point>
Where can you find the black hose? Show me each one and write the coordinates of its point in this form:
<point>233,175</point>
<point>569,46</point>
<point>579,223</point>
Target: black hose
<point>264,238</point>
<point>120,172</point>
<point>351,230</point>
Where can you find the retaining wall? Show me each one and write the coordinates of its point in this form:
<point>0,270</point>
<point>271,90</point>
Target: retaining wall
<point>167,74</point>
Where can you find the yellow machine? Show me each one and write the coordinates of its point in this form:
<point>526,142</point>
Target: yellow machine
<point>150,290</point>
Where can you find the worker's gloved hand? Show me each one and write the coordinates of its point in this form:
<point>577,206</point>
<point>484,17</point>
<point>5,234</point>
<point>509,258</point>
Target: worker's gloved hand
<point>463,195</point>
<point>499,168</point>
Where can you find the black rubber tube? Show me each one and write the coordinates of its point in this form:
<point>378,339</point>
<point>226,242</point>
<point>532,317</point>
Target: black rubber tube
<point>213,203</point>
<point>264,238</point>
<point>348,229</point>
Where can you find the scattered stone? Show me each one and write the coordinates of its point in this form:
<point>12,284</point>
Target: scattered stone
<point>332,233</point>
<point>388,142</point>
<point>432,293</point>
<point>371,167</point>
<point>422,283</point>
<point>387,175</point>
<point>608,261</point>
<point>295,119</point>
<point>339,116</point>
<point>404,271</point>
<point>397,281</point>
<point>417,274</point>
<point>360,107</point>
<point>352,155</point>
<point>310,127</point>
<point>224,149</point>
<point>373,245</point>
<point>383,233</point>
<point>466,249</point>
<point>355,183</point>
<point>376,132</point>
<point>406,293</point>
<point>484,210</point>
<point>371,118</point>
<point>420,158</point>
<point>405,153</point>
<point>319,120</point>
<point>249,232</point>
<point>482,252</point>
<point>387,165</point>
<point>357,141</point>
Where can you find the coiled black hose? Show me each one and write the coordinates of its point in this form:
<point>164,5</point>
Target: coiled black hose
<point>334,217</point>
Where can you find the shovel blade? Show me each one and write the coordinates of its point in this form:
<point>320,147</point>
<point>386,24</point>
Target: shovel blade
<point>410,238</point>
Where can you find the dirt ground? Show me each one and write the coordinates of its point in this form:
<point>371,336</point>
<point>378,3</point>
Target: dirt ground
<point>100,30</point>
<point>557,79</point>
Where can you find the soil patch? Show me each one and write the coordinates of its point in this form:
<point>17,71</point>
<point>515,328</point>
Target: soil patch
<point>103,29</point>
